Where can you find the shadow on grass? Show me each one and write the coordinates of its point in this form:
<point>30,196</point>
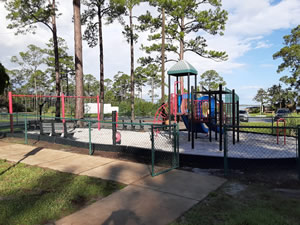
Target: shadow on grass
<point>49,195</point>
<point>32,152</point>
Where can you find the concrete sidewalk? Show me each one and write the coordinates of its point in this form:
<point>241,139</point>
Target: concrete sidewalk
<point>146,200</point>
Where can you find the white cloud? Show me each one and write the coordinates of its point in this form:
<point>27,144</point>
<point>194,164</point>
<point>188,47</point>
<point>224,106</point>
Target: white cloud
<point>248,24</point>
<point>258,17</point>
<point>250,87</point>
<point>263,44</point>
<point>267,65</point>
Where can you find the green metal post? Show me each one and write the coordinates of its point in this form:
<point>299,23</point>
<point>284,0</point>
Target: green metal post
<point>152,151</point>
<point>90,139</point>
<point>177,139</point>
<point>298,155</point>
<point>174,161</point>
<point>25,121</point>
<point>225,151</point>
<point>272,124</point>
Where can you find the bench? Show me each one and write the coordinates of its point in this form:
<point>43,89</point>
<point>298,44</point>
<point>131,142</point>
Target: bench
<point>133,126</point>
<point>53,128</point>
<point>33,124</point>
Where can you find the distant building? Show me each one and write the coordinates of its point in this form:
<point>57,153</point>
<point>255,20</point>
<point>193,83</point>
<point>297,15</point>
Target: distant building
<point>91,108</point>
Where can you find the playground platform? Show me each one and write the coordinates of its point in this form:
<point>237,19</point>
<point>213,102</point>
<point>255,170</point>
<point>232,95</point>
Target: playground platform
<point>146,200</point>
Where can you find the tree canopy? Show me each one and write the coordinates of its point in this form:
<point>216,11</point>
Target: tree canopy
<point>184,18</point>
<point>4,79</point>
<point>24,17</point>
<point>211,80</point>
<point>290,55</point>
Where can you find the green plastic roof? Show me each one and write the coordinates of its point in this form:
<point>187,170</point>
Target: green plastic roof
<point>182,68</point>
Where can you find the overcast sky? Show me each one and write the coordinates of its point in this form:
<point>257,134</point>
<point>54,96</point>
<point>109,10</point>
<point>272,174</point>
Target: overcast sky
<point>253,34</point>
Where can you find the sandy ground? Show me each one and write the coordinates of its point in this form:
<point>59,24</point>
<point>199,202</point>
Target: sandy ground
<point>250,146</point>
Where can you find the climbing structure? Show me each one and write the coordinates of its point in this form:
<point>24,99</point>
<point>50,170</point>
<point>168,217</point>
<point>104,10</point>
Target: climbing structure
<point>201,111</point>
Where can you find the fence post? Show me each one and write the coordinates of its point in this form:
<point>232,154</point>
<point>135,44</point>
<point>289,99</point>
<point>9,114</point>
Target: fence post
<point>225,151</point>
<point>174,161</point>
<point>272,125</point>
<point>298,155</point>
<point>114,127</point>
<point>152,151</point>
<point>25,123</point>
<point>90,139</point>
<point>10,106</point>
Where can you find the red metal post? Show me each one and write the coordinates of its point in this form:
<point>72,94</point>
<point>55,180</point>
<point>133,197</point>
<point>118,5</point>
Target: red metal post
<point>63,106</point>
<point>10,108</point>
<point>98,112</point>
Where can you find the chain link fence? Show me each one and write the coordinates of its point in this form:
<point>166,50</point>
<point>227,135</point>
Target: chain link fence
<point>261,148</point>
<point>165,149</point>
<point>246,148</point>
<point>135,140</point>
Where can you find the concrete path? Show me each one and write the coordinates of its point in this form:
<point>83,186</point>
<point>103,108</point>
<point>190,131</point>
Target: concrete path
<point>146,200</point>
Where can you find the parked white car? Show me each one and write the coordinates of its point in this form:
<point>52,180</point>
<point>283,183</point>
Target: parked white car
<point>244,116</point>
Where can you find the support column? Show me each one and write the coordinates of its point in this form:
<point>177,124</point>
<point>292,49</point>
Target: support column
<point>216,117</point>
<point>188,109</point>
<point>233,116</point>
<point>98,111</point>
<point>192,117</point>
<point>10,108</point>
<point>209,115</point>
<point>220,117</point>
<point>62,96</point>
<point>238,120</point>
<point>169,102</point>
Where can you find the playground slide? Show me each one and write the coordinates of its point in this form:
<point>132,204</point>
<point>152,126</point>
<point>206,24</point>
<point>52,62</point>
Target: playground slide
<point>198,127</point>
<point>213,127</point>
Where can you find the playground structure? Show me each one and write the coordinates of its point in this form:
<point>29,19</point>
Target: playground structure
<point>202,111</point>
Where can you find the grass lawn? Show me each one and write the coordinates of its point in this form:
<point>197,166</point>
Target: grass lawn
<point>268,129</point>
<point>33,195</point>
<point>240,204</point>
<point>7,129</point>
<point>258,114</point>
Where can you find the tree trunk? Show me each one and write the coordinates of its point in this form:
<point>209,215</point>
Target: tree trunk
<point>181,50</point>
<point>56,58</point>
<point>101,64</point>
<point>132,64</point>
<point>163,57</point>
<point>79,112</point>
<point>181,39</point>
<point>152,91</point>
